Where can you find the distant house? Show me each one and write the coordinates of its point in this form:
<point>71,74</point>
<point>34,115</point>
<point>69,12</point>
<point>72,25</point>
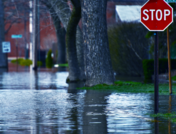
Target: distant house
<point>127,13</point>
<point>116,10</point>
<point>128,2</point>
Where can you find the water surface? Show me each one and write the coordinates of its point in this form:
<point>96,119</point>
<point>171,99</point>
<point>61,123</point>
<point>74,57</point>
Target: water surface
<point>43,103</point>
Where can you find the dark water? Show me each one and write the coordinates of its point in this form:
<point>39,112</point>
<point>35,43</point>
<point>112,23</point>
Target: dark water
<point>43,103</point>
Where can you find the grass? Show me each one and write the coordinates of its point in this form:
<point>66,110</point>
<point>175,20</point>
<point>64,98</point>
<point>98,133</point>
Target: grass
<point>133,87</point>
<point>174,78</point>
<point>63,65</point>
<point>170,116</point>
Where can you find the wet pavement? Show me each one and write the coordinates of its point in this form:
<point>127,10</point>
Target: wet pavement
<point>42,103</point>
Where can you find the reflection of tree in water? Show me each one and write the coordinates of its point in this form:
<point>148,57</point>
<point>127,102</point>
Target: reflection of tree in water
<point>87,115</point>
<point>46,120</point>
<point>53,84</point>
<point>94,118</point>
<point>36,80</point>
<point>75,112</point>
<point>2,71</point>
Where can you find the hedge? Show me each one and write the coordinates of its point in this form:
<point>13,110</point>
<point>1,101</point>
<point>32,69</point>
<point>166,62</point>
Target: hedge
<point>148,68</point>
<point>128,45</point>
<point>25,62</point>
<point>49,60</point>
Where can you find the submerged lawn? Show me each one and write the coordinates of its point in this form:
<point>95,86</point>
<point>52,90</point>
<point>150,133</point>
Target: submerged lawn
<point>133,87</point>
<point>170,116</point>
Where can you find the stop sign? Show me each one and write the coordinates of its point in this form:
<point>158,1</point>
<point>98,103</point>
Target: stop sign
<point>156,15</point>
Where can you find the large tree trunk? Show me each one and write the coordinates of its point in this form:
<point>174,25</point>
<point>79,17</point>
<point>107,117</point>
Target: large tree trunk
<point>62,9</point>
<point>3,56</point>
<point>97,56</point>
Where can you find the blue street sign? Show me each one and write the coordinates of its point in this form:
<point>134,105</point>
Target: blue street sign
<point>16,36</point>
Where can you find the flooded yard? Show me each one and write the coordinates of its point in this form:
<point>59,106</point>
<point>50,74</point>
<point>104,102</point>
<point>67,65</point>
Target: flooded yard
<point>43,103</point>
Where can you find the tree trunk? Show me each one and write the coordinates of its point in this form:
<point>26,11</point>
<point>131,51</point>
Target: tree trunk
<point>74,72</point>
<point>62,9</point>
<point>97,56</point>
<point>3,56</point>
<point>61,46</point>
<point>80,52</point>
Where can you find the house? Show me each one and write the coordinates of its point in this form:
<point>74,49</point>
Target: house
<point>128,2</point>
<point>129,13</point>
<point>115,7</point>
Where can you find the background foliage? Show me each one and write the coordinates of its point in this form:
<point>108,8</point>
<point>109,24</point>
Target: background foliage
<point>49,59</point>
<point>128,47</point>
<point>148,66</point>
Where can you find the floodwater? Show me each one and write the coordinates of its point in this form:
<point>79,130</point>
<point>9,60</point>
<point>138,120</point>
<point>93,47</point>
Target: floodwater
<point>42,103</point>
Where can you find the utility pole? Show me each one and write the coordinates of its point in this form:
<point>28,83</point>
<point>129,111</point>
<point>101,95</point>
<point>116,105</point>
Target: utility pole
<point>31,29</point>
<point>35,34</point>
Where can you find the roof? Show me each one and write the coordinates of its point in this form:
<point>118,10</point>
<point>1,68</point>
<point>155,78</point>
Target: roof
<point>128,13</point>
<point>129,2</point>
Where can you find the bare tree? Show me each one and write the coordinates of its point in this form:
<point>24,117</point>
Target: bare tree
<point>59,31</point>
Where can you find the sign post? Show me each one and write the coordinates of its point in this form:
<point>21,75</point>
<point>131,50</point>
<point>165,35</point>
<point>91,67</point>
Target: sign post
<point>13,36</point>
<point>156,68</point>
<point>156,15</point>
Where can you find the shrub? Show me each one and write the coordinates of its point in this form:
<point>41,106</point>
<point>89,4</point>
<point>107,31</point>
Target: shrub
<point>22,62</point>
<point>17,60</point>
<point>25,62</point>
<point>39,63</point>
<point>163,42</point>
<point>128,47</point>
<point>148,68</point>
<point>49,60</point>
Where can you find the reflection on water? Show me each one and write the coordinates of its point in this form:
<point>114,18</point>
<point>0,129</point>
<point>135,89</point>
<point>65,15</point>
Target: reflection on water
<point>126,113</point>
<point>33,80</point>
<point>40,103</point>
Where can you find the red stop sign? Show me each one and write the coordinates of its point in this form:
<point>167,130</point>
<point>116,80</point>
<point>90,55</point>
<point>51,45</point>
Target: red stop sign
<point>156,15</point>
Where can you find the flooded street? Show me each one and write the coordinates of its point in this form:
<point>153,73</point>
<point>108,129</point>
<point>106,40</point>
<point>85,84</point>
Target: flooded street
<point>43,103</point>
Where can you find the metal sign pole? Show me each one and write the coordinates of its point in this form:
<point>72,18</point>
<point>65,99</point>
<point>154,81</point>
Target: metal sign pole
<point>156,67</point>
<point>17,54</point>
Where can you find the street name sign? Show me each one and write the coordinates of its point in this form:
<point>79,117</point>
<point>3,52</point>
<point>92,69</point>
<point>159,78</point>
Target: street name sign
<point>6,47</point>
<point>156,15</point>
<point>13,36</point>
